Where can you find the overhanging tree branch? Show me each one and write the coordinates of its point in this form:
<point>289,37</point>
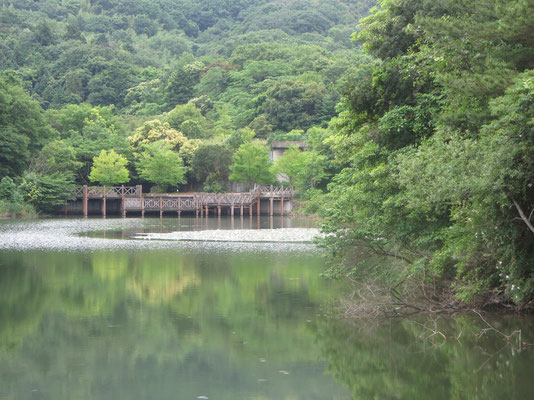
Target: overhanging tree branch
<point>523,216</point>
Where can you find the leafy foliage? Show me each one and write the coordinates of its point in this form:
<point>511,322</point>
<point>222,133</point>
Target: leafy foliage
<point>161,165</point>
<point>212,162</point>
<point>252,164</point>
<point>304,169</point>
<point>109,168</point>
<point>435,147</point>
<point>155,131</point>
<point>22,127</point>
<point>47,192</point>
<point>120,75</point>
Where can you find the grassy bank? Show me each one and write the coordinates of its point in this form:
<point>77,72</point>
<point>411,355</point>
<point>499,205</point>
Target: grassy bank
<point>16,210</point>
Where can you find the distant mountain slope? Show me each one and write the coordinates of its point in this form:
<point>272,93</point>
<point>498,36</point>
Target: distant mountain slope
<point>132,53</point>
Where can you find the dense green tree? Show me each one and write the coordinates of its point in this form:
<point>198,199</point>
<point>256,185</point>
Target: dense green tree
<point>109,168</point>
<point>486,184</point>
<point>43,34</point>
<point>188,119</point>
<point>47,192</point>
<point>49,179</point>
<point>105,69</point>
<point>7,188</point>
<point>212,161</point>
<point>188,150</point>
<point>434,145</point>
<point>304,169</point>
<point>56,157</point>
<point>213,82</point>
<point>23,128</point>
<point>293,104</point>
<point>144,25</point>
<point>111,84</point>
<point>161,165</point>
<point>154,131</point>
<point>252,164</point>
<point>180,86</point>
<point>240,137</point>
<point>98,132</point>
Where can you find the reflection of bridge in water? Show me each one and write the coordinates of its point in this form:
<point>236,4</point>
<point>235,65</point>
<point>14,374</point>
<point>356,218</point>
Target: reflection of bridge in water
<point>132,199</point>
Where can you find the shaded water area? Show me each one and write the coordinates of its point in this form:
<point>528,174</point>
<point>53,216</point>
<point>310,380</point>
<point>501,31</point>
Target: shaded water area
<point>87,312</point>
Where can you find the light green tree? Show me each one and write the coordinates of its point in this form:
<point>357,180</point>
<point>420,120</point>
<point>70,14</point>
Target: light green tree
<point>154,131</point>
<point>304,169</point>
<point>161,165</point>
<point>109,168</point>
<point>252,164</point>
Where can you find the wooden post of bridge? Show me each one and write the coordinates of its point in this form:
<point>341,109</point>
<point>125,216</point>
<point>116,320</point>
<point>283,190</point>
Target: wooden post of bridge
<point>196,206</point>
<point>85,201</point>
<point>282,205</point>
<point>104,202</point>
<point>259,205</point>
<point>160,206</point>
<point>207,210</point>
<point>241,206</point>
<point>179,207</point>
<point>271,200</point>
<point>219,206</point>
<point>232,210</point>
<point>141,199</point>
<point>123,203</point>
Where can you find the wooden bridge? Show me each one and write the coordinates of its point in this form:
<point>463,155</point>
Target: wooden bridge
<point>133,199</point>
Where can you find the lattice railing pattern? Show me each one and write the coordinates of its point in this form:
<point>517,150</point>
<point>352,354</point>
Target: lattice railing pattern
<point>226,199</point>
<point>274,191</point>
<point>132,203</point>
<point>131,190</point>
<point>183,202</point>
<point>151,203</point>
<point>179,203</point>
<point>111,191</point>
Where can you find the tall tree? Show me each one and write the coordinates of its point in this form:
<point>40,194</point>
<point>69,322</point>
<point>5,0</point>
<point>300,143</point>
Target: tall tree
<point>252,164</point>
<point>161,165</point>
<point>109,168</point>
<point>212,160</point>
<point>23,128</point>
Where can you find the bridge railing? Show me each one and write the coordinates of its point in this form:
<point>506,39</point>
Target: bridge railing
<point>226,199</point>
<point>189,201</point>
<point>275,191</point>
<point>110,191</point>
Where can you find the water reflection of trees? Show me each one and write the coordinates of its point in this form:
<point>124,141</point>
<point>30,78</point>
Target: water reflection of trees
<point>154,322</point>
<point>403,359</point>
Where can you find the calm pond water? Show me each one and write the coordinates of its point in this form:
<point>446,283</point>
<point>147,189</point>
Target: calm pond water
<point>88,313</point>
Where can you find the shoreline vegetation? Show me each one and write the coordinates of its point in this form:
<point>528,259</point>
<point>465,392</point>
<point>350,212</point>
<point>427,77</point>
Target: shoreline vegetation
<point>17,210</point>
<point>436,152</point>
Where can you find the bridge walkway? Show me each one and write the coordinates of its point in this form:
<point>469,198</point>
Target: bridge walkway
<point>133,199</point>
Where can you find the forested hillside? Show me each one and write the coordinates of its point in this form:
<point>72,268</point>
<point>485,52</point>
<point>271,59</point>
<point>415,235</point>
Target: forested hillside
<point>145,57</point>
<point>155,81</point>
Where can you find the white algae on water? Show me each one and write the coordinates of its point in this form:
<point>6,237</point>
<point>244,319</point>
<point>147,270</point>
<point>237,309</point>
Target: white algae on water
<point>115,234</point>
<point>286,235</point>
